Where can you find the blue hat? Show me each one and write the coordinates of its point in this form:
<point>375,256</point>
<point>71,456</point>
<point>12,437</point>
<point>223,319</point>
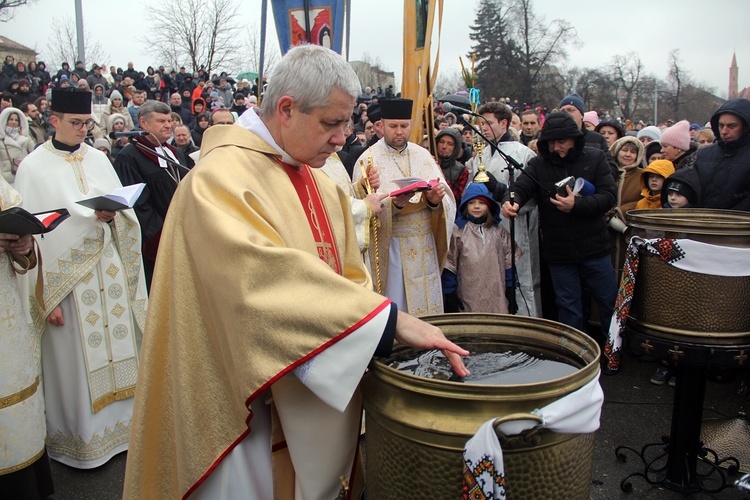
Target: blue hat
<point>478,190</point>
<point>695,126</point>
<point>575,100</point>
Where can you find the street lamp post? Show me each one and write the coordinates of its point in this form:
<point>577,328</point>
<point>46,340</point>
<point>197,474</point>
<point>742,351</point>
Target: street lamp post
<point>79,33</point>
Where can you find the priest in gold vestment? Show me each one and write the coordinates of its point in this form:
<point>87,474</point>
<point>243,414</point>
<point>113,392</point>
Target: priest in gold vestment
<point>262,318</point>
<point>413,231</point>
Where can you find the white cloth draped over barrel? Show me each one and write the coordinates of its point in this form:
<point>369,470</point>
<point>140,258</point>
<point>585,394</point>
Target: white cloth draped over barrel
<point>577,413</point>
<point>688,255</point>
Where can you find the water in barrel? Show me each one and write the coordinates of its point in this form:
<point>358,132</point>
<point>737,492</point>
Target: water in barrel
<point>502,366</point>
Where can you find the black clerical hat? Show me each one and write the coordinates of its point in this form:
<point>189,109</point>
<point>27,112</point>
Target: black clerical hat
<point>71,100</point>
<point>396,109</point>
<point>373,112</point>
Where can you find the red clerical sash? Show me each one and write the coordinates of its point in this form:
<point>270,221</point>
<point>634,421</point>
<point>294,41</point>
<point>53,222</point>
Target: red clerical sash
<point>312,203</point>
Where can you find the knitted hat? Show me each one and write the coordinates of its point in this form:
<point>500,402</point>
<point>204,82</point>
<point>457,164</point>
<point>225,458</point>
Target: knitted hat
<point>115,94</point>
<point>651,132</point>
<point>575,100</point>
<point>695,126</point>
<point>592,117</point>
<point>102,143</point>
<point>678,135</point>
<point>675,183</point>
<point>214,94</point>
<point>651,148</point>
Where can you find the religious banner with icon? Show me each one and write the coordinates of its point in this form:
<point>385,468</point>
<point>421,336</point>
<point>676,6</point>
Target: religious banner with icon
<point>319,22</point>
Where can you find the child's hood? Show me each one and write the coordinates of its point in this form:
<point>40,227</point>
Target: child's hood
<point>665,168</point>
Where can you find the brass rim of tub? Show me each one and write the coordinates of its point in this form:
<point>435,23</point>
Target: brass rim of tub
<point>692,221</point>
<point>574,343</point>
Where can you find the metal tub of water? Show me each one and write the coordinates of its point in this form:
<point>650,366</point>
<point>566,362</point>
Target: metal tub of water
<point>417,427</point>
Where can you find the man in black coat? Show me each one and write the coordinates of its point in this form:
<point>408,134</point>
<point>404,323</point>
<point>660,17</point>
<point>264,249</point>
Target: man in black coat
<point>722,170</point>
<point>574,241</point>
<point>137,163</point>
<point>574,106</point>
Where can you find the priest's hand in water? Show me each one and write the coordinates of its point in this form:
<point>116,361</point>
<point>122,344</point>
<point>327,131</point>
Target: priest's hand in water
<point>414,332</point>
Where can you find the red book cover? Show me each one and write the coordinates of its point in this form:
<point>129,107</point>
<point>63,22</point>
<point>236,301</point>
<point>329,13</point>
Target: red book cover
<point>412,185</point>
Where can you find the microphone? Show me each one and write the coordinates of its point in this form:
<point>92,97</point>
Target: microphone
<point>134,133</point>
<point>450,108</point>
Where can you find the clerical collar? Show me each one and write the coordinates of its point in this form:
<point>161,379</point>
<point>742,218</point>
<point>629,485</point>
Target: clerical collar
<point>64,147</point>
<point>399,151</point>
<point>252,122</point>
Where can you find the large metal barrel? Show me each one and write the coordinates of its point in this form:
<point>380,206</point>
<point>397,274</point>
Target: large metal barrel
<point>417,427</point>
<point>697,310</point>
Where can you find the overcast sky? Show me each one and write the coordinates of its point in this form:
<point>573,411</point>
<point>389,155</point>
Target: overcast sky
<point>706,32</point>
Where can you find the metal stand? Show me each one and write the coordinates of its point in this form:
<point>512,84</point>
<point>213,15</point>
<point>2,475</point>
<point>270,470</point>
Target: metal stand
<point>683,449</point>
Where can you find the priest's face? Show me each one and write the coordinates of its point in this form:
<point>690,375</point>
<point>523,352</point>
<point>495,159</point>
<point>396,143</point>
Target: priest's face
<point>396,132</point>
<point>311,138</point>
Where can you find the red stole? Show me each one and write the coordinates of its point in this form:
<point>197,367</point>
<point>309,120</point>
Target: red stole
<point>317,217</point>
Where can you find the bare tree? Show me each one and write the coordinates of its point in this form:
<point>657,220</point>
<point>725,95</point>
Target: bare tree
<point>626,74</point>
<point>252,53</point>
<point>676,81</point>
<point>448,83</point>
<point>7,6</point>
<point>195,34</point>
<point>62,45</point>
<point>540,43</point>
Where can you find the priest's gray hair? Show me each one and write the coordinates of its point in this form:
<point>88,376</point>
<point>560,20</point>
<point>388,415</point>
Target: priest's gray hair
<point>151,106</point>
<point>309,73</point>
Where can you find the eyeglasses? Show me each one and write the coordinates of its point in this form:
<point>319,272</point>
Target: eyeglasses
<point>78,124</point>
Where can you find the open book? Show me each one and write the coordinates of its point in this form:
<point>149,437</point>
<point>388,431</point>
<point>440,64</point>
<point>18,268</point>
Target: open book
<point>16,220</point>
<point>119,199</point>
<point>412,185</point>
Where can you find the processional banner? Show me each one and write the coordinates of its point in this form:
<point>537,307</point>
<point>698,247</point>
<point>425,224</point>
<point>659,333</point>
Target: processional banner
<point>319,22</point>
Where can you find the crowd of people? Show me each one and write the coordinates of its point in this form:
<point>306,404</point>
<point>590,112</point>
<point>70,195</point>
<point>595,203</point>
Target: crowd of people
<point>202,291</point>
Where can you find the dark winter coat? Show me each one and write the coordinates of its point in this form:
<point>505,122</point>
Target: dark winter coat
<point>723,168</point>
<point>581,234</point>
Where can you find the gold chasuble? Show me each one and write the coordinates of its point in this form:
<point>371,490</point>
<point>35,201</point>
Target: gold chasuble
<point>258,274</point>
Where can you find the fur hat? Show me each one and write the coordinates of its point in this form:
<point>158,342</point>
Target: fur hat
<point>678,135</point>
<point>575,100</point>
<point>117,117</point>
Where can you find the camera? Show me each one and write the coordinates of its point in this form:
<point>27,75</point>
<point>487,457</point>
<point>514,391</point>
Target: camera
<point>560,185</point>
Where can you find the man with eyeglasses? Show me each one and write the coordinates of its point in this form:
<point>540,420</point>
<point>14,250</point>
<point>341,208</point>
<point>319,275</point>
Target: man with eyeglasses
<point>93,307</point>
<point>150,159</point>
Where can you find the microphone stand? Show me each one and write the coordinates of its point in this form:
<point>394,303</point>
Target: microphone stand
<point>512,166</point>
<point>152,151</point>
